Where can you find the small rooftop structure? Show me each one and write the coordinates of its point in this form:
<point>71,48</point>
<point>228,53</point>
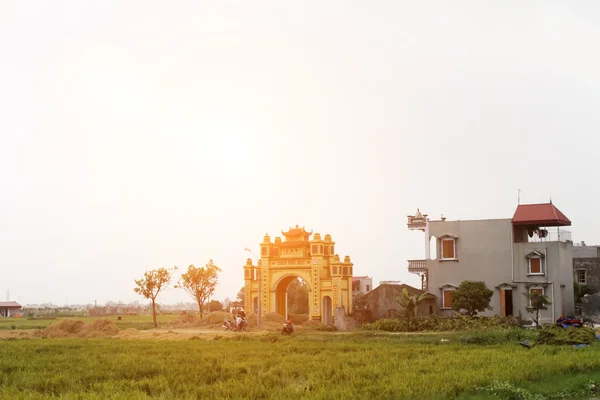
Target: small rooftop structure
<point>536,215</point>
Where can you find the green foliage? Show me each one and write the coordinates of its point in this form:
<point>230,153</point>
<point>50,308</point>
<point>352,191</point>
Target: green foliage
<point>538,302</point>
<point>557,335</point>
<point>152,284</point>
<point>215,305</point>
<point>498,336</point>
<point>508,391</point>
<point>297,295</point>
<point>580,291</point>
<point>200,283</point>
<point>472,297</point>
<point>241,296</point>
<point>435,323</point>
<point>410,303</point>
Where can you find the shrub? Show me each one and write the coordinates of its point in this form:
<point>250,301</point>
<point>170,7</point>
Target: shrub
<point>557,335</point>
<point>435,323</point>
<point>472,297</point>
<point>297,319</point>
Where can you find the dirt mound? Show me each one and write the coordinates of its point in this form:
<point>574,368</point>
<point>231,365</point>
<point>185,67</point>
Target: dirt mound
<point>216,317</point>
<point>186,321</point>
<point>77,328</point>
<point>99,328</point>
<point>64,328</point>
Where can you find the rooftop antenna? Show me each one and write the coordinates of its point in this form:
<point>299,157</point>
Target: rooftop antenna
<point>519,197</point>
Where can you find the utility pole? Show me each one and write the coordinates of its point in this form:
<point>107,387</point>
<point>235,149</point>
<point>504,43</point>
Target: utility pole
<point>259,308</point>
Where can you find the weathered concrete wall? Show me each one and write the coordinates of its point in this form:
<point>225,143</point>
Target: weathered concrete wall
<point>592,275</point>
<point>342,321</point>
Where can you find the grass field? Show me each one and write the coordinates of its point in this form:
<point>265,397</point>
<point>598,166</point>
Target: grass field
<point>127,321</point>
<point>312,365</point>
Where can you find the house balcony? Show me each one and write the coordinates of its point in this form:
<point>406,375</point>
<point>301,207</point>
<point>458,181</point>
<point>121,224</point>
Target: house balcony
<point>549,235</point>
<point>417,266</point>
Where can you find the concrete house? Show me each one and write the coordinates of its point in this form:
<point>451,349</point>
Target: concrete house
<point>524,254</point>
<point>361,284</point>
<point>9,308</point>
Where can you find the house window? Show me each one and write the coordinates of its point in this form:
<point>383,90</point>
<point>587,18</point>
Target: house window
<point>447,298</point>
<point>315,249</point>
<point>367,287</point>
<point>448,249</point>
<point>430,310</point>
<point>535,266</point>
<point>334,270</point>
<point>580,276</point>
<point>533,291</point>
<point>264,251</point>
<point>326,250</point>
<point>275,252</point>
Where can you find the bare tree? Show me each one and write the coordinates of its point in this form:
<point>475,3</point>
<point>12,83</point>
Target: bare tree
<point>200,283</point>
<point>152,284</point>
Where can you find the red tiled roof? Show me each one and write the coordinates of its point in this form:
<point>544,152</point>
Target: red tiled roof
<point>539,215</point>
<point>10,304</point>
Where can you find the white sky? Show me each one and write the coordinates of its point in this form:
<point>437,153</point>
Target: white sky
<point>141,134</point>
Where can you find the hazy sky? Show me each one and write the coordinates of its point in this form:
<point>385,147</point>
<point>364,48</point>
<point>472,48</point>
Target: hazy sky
<point>140,134</point>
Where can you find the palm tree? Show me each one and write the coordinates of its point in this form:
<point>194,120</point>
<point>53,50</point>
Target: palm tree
<point>410,303</point>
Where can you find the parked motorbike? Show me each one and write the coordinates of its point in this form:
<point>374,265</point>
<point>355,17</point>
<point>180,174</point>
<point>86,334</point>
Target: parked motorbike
<point>288,328</point>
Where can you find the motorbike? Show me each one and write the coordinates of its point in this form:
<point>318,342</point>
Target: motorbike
<point>230,325</point>
<point>288,328</point>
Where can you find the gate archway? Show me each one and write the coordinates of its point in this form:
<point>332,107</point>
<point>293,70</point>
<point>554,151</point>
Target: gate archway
<point>298,256</point>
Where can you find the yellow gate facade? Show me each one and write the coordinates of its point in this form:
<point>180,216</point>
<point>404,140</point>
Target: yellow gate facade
<point>329,279</point>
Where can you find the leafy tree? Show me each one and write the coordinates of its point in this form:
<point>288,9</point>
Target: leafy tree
<point>580,291</point>
<point>152,284</point>
<point>241,294</point>
<point>410,303</point>
<point>359,300</point>
<point>538,302</point>
<point>215,305</point>
<point>297,294</point>
<point>472,297</point>
<point>200,283</point>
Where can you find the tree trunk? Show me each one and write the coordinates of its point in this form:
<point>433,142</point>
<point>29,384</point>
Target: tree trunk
<point>154,313</point>
<point>200,308</point>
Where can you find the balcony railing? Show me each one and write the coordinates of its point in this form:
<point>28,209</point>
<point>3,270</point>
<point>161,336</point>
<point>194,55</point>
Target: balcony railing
<point>551,235</point>
<point>417,266</point>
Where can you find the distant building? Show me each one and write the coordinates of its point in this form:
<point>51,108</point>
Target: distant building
<point>361,284</point>
<point>382,302</point>
<point>529,252</point>
<point>586,266</point>
<point>10,308</point>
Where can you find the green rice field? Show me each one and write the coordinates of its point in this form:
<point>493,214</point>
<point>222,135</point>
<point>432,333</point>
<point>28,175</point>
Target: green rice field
<point>361,365</point>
